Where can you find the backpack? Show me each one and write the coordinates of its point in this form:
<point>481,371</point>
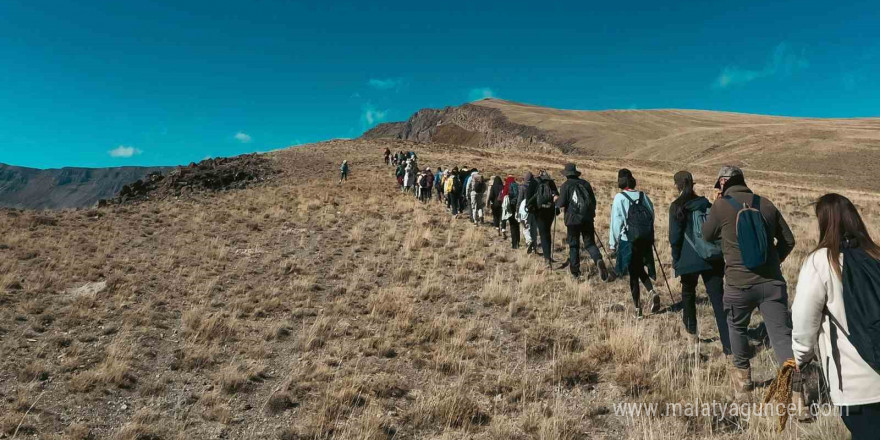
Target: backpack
<point>513,192</point>
<point>579,206</point>
<point>751,232</point>
<point>861,300</point>
<point>456,184</point>
<point>480,186</point>
<point>639,220</point>
<point>543,195</point>
<point>707,250</point>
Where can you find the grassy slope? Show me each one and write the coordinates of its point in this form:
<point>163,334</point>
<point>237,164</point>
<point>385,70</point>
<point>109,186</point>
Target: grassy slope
<point>837,152</point>
<point>304,309</point>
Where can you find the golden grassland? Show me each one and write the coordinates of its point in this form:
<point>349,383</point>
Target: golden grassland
<point>304,309</point>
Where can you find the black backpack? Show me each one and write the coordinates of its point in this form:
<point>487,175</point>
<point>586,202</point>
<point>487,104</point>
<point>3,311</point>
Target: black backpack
<point>543,195</point>
<point>639,220</point>
<point>480,186</point>
<point>861,300</point>
<point>456,184</point>
<point>580,205</point>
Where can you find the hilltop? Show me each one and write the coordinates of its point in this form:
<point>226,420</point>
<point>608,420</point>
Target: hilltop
<point>836,152</point>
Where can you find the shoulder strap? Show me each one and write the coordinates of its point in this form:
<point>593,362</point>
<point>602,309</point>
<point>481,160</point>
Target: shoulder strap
<point>627,197</point>
<point>737,206</point>
<point>756,202</point>
<point>835,351</point>
<point>641,198</point>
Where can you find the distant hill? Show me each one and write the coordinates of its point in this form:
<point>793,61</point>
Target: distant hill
<point>845,149</point>
<point>33,188</point>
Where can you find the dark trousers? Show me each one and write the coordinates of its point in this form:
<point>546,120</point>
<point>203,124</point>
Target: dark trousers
<point>772,300</point>
<point>637,273</point>
<point>455,202</point>
<point>496,215</point>
<point>713,279</point>
<point>861,420</point>
<point>544,224</point>
<point>514,232</point>
<point>439,193</point>
<point>587,232</point>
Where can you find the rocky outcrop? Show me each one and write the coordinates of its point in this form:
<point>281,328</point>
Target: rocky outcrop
<point>208,175</point>
<point>470,125</point>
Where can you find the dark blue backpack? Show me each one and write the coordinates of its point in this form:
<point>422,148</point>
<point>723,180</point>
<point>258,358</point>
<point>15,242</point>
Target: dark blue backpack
<point>751,232</point>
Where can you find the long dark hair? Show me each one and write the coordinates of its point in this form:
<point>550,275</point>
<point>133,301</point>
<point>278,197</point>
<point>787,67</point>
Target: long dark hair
<point>840,225</point>
<point>684,182</point>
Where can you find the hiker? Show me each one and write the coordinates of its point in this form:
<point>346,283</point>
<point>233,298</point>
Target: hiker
<point>387,156</point>
<point>632,239</point>
<point>523,216</point>
<point>495,200</point>
<point>694,258</point>
<point>540,202</point>
<point>409,180</point>
<point>438,183</point>
<point>453,191</point>
<point>343,171</point>
<point>400,173</point>
<point>428,185</point>
<point>465,179</point>
<point>509,195</point>
<point>577,198</point>
<point>748,226</point>
<point>476,188</point>
<point>836,309</point>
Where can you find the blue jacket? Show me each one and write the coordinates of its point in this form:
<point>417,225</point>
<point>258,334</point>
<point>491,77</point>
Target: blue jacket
<point>619,209</point>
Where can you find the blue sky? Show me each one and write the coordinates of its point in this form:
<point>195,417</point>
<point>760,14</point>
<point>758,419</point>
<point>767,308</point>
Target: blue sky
<point>156,82</point>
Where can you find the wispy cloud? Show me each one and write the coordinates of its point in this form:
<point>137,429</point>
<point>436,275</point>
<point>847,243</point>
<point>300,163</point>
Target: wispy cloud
<point>481,93</point>
<point>385,84</point>
<point>371,116</point>
<point>783,62</point>
<point>124,151</point>
<point>243,137</point>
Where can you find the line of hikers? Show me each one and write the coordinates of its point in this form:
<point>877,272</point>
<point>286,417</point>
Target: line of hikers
<point>735,243</point>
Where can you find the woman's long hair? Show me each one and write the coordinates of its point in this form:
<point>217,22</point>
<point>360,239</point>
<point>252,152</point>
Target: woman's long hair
<point>684,182</point>
<point>841,226</point>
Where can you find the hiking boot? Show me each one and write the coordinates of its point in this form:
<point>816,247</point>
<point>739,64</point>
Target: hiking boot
<point>530,248</point>
<point>741,379</point>
<point>655,301</point>
<point>603,271</point>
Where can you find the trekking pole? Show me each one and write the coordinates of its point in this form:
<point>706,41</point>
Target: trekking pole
<point>663,271</point>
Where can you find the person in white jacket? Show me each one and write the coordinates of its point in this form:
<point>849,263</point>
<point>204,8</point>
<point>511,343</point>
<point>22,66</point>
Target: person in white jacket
<point>819,317</point>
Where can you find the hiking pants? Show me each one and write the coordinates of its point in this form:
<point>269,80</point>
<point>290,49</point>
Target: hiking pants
<point>533,227</point>
<point>637,273</point>
<point>496,215</point>
<point>514,232</point>
<point>771,298</point>
<point>587,231</point>
<point>478,205</point>
<point>527,231</point>
<point>861,420</point>
<point>343,175</point>
<point>455,203</point>
<point>713,279</point>
<point>439,193</point>
<point>544,219</point>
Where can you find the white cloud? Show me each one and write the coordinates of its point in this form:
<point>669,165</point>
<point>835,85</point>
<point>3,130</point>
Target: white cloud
<point>481,93</point>
<point>243,137</point>
<point>371,116</point>
<point>385,84</point>
<point>124,151</point>
<point>783,62</point>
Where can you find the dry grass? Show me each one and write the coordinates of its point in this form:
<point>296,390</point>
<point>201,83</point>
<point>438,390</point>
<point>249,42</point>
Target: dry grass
<point>301,309</point>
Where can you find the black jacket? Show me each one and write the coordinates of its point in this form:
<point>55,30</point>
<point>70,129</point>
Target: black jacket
<point>565,193</point>
<point>532,194</point>
<point>685,259</point>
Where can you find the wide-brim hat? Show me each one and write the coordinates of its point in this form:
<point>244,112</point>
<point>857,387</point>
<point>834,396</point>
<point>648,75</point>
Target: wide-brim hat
<point>570,170</point>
